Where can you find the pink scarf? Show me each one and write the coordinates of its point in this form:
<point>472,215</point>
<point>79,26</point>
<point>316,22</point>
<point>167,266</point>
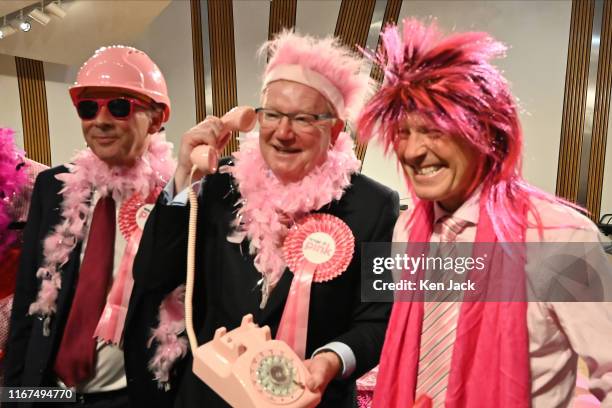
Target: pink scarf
<point>490,363</point>
<point>86,174</point>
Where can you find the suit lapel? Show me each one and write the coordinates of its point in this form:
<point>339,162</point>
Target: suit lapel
<point>277,300</point>
<point>65,295</point>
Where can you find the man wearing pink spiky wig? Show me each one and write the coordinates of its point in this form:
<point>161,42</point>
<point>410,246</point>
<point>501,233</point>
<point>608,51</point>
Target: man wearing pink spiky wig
<point>82,231</point>
<point>448,115</point>
<point>299,166</point>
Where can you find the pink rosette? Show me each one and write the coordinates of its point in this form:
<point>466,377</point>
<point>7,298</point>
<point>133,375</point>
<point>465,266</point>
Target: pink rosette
<point>318,248</point>
<point>132,209</point>
<point>326,224</point>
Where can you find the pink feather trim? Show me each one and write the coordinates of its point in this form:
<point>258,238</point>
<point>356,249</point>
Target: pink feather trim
<point>86,174</point>
<point>170,345</point>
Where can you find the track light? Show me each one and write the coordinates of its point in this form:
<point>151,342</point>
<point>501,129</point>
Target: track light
<point>56,9</point>
<point>40,17</point>
<point>23,24</point>
<point>6,30</point>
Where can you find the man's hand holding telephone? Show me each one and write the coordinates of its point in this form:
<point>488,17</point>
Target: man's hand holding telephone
<point>200,144</point>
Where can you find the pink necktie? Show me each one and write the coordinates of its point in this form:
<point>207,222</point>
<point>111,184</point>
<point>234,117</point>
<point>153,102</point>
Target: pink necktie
<point>75,360</point>
<point>439,326</point>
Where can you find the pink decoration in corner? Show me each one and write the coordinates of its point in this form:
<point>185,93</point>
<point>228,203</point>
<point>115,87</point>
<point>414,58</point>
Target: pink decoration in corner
<point>584,398</point>
<point>365,388</point>
<point>11,182</point>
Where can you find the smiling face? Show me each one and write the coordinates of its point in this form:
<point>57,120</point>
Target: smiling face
<point>440,167</point>
<point>119,142</point>
<point>292,155</point>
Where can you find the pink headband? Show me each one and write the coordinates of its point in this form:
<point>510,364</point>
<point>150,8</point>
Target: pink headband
<point>308,77</point>
<point>323,64</point>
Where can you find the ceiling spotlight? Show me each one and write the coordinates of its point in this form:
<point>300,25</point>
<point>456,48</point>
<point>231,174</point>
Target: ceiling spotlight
<point>23,24</point>
<point>40,17</point>
<point>6,30</point>
<point>56,9</point>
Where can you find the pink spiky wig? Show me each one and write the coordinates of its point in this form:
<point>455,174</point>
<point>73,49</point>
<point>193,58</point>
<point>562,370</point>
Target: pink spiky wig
<point>450,82</point>
<point>323,64</point>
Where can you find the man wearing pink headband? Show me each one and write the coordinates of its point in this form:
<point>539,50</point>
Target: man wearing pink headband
<point>300,163</point>
<point>448,115</point>
<point>83,230</point>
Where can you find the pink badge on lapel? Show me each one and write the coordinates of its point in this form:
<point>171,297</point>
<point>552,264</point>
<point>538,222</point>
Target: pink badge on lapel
<point>134,212</point>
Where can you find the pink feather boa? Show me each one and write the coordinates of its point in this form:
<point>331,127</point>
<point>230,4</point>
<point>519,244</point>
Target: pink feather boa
<point>86,174</point>
<point>11,182</point>
<point>267,209</point>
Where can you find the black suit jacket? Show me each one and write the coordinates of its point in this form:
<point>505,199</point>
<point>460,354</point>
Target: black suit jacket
<point>30,354</point>
<point>226,289</point>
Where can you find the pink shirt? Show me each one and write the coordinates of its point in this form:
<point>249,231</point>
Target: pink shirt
<point>559,332</point>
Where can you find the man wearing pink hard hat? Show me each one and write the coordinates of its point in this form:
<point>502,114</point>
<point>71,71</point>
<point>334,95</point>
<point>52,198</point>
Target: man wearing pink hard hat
<point>83,230</point>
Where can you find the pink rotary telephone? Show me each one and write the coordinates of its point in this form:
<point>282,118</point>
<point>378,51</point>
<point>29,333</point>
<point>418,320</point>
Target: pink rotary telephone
<point>248,369</point>
<point>244,366</point>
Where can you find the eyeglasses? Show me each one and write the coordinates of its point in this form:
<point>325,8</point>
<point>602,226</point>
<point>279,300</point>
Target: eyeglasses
<point>269,118</point>
<point>120,108</point>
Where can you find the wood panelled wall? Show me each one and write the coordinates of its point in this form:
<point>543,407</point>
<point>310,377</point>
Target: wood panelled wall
<point>392,11</point>
<point>223,62</point>
<point>574,104</point>
<point>352,26</point>
<point>353,22</point>
<point>282,15</point>
<point>198,60</point>
<point>34,114</point>
<point>601,114</point>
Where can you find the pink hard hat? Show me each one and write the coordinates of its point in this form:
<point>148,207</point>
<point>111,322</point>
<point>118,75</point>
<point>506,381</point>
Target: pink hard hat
<point>123,67</point>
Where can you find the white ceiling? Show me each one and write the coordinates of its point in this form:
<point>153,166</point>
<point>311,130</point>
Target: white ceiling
<point>89,24</point>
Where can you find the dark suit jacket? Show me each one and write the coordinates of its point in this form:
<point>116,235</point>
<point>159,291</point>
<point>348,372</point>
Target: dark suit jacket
<point>226,289</point>
<point>31,355</point>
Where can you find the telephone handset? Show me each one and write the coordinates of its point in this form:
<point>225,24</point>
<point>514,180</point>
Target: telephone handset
<point>241,118</point>
<point>244,366</point>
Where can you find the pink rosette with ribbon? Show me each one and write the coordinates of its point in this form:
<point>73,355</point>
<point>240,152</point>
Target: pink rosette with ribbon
<point>132,218</point>
<point>319,248</point>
